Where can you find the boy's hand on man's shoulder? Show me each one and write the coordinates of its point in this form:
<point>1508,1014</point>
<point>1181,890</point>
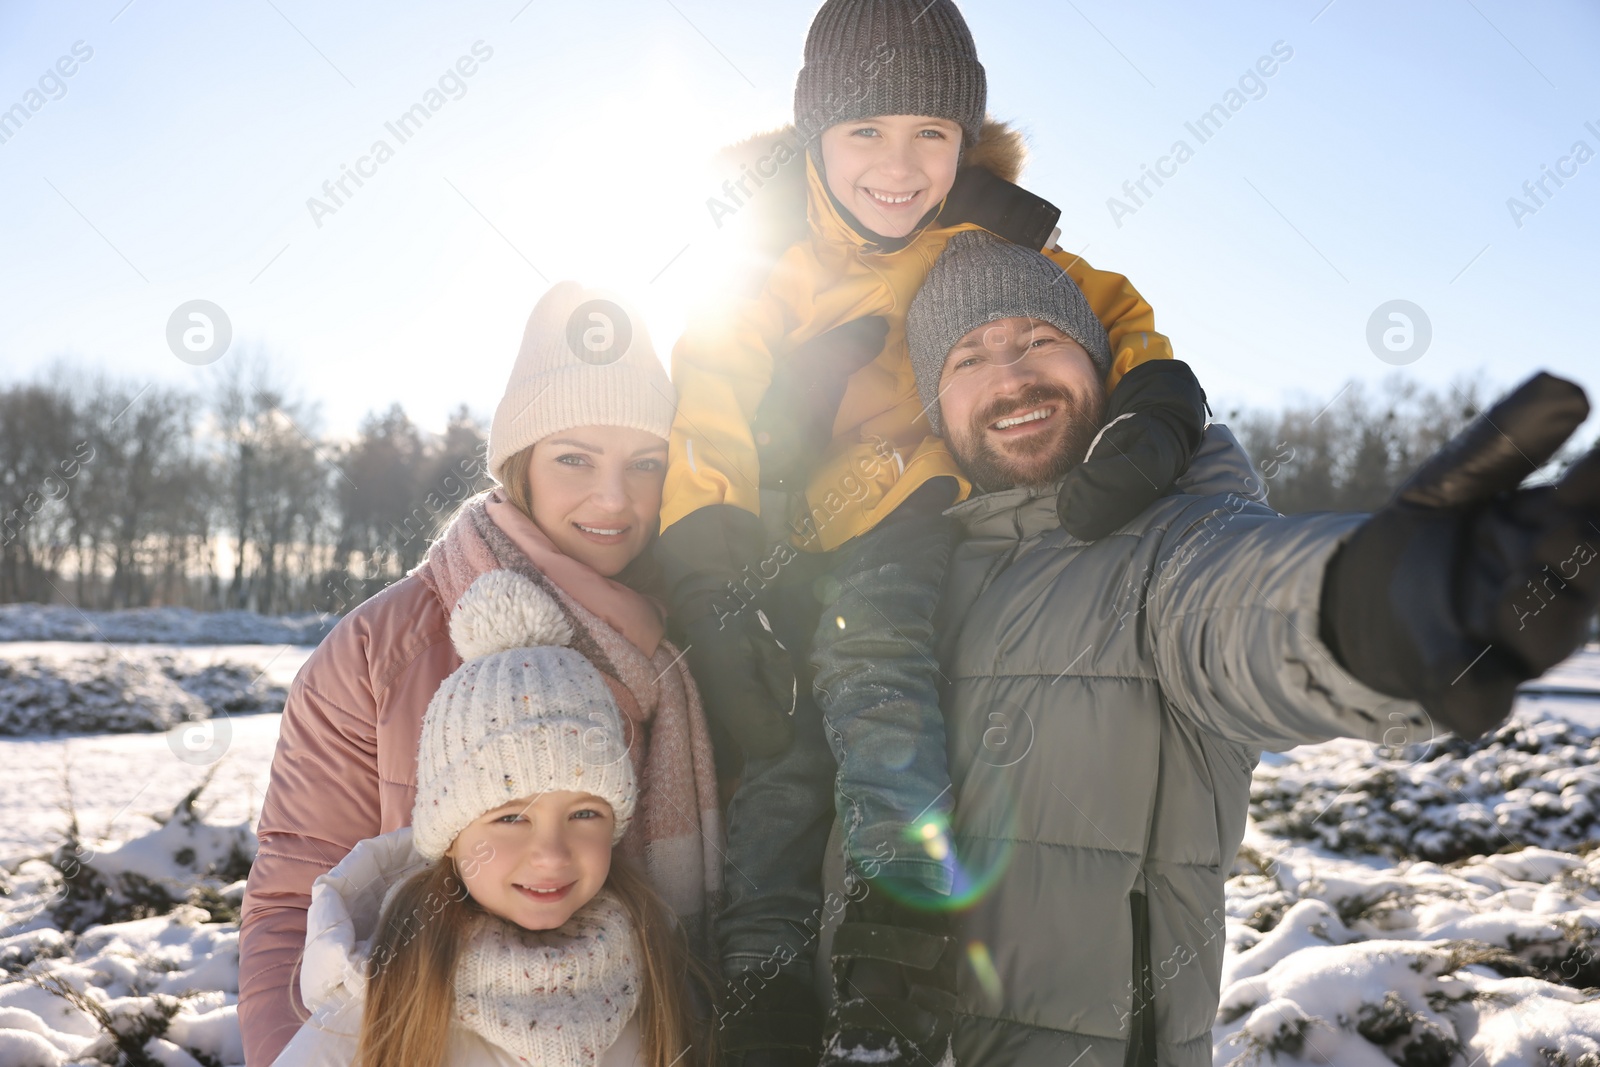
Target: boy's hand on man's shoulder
<point>1154,421</point>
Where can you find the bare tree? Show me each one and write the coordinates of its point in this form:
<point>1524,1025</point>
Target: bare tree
<point>385,464</point>
<point>40,459</point>
<point>404,486</point>
<point>455,469</point>
<point>272,481</point>
<point>143,437</point>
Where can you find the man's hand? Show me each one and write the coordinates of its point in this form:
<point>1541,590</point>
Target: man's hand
<point>794,422</point>
<point>1154,422</point>
<point>1464,586</point>
<point>745,677</point>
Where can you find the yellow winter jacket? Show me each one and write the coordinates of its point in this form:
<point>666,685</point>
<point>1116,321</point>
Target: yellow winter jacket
<point>883,447</point>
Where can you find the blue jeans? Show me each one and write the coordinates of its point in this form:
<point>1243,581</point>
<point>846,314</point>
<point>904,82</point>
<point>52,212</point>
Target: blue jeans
<point>869,737</point>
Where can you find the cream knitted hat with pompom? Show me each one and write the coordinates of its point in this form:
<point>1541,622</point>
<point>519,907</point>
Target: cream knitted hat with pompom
<point>523,715</point>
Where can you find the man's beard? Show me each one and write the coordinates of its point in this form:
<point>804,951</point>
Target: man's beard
<point>1039,460</point>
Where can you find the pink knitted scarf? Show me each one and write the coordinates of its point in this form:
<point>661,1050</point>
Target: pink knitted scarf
<point>677,828</point>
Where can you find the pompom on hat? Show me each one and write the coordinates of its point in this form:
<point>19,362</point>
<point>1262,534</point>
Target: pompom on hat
<point>523,715</point>
<point>586,360</point>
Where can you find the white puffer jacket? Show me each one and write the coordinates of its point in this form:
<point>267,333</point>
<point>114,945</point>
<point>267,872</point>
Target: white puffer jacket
<point>343,916</point>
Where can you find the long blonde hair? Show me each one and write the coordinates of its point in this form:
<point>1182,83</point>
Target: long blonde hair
<point>410,1004</point>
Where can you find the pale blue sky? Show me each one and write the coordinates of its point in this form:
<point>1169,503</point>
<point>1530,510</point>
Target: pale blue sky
<point>1375,166</point>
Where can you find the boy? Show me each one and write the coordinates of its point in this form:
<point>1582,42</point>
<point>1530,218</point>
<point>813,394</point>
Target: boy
<point>806,388</point>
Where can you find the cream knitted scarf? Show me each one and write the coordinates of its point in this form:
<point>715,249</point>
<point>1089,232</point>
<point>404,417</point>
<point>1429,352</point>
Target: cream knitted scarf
<point>557,998</point>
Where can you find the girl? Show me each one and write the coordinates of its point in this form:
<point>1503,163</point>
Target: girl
<point>577,449</point>
<point>508,932</point>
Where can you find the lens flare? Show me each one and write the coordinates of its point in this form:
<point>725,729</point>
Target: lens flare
<point>983,968</point>
<point>974,871</point>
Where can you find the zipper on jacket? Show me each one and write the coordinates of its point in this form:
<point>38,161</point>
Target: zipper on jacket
<point>1142,1023</point>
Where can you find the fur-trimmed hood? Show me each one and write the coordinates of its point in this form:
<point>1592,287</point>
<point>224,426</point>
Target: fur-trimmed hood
<point>767,173</point>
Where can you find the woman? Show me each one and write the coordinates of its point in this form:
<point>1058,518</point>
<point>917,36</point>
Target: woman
<point>578,448</point>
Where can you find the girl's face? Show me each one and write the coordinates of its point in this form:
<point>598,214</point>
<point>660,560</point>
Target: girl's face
<point>596,492</point>
<point>536,860</point>
<point>890,170</point>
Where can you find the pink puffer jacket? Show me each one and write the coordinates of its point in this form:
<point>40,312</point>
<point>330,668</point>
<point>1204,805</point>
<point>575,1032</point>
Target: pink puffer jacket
<point>345,770</point>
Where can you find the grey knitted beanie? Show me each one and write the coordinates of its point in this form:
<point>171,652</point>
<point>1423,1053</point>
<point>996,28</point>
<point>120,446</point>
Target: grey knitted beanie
<point>889,57</point>
<point>980,279</point>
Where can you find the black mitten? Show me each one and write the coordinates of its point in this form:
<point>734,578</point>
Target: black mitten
<point>745,676</point>
<point>1154,420</point>
<point>794,421</point>
<point>1464,586</point>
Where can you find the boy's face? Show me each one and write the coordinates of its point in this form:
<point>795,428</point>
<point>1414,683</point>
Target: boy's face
<point>890,170</point>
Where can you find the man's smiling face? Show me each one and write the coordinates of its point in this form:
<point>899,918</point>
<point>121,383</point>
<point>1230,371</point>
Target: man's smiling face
<point>1021,402</point>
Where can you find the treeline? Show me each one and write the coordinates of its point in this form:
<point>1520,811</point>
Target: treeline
<point>116,493</point>
<point>1350,452</point>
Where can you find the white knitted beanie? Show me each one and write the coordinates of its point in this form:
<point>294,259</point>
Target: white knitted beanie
<point>586,360</point>
<point>523,715</point>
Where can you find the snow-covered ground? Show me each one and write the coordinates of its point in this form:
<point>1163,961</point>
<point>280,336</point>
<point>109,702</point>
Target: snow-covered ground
<point>1337,961</point>
<point>119,882</point>
<point>170,626</point>
<point>118,780</point>
<point>1434,906</point>
<point>1429,905</point>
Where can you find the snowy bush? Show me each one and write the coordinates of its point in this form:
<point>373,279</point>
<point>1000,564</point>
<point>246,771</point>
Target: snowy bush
<point>185,860</point>
<point>1346,960</point>
<point>1401,1002</point>
<point>1535,781</point>
<point>99,692</point>
<point>107,690</point>
<point>231,688</point>
<point>127,954</point>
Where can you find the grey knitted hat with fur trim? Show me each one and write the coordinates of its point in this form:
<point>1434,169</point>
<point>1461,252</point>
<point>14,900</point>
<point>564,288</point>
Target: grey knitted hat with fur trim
<point>889,57</point>
<point>980,279</point>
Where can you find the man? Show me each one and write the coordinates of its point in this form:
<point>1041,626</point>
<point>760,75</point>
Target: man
<point>1107,702</point>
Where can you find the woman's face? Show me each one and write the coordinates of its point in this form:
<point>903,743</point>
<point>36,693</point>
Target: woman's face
<point>536,860</point>
<point>596,492</point>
